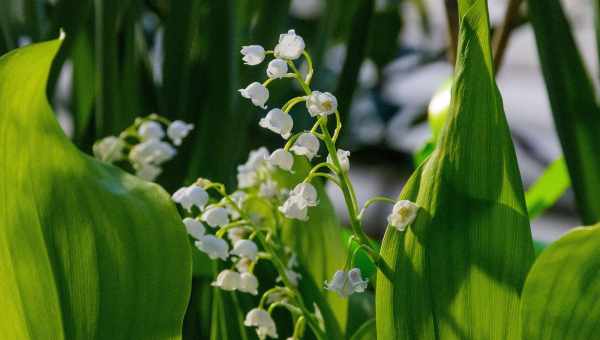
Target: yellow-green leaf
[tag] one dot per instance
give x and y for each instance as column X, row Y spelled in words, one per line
column 86, row 250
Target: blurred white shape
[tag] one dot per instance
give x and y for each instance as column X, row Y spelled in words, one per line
column 307, row 9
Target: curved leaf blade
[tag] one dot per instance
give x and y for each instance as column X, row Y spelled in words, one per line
column 560, row 297
column 471, row 242
column 86, row 251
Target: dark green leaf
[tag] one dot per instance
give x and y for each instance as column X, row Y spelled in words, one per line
column 367, row 331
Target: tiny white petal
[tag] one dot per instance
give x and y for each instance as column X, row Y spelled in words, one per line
column 306, row 145
column 321, row 103
column 282, row 159
column 403, row 214
column 290, row 46
column 277, row 68
column 215, row 216
column 150, row 130
column 253, row 54
column 214, row 247
column 194, row 228
column 246, row 249
column 178, row 130
column 278, row 122
column 257, row 93
column 228, row 280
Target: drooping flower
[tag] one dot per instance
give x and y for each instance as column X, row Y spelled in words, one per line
column 190, row 196
column 403, row 214
column 307, row 192
column 307, row 145
column 147, row 172
column 257, row 93
column 321, row 103
column 343, row 157
column 282, row 159
column 253, row 54
column 228, row 280
column 215, row 216
column 194, row 227
column 290, row 46
column 277, row 68
column 246, row 249
column 213, row 246
column 248, row 283
column 150, row 130
column 109, row 149
column 262, row 320
column 152, row 151
column 296, row 206
column 178, row 130
column 278, row 122
column 346, row 283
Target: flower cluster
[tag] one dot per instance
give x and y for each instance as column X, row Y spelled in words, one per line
column 142, row 145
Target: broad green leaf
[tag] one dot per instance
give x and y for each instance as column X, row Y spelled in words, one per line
column 560, row 297
column 573, row 101
column 86, row 250
column 548, row 188
column 458, row 270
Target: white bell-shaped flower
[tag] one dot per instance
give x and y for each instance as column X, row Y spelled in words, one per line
column 152, row 151
column 403, row 214
column 109, row 149
column 253, row 54
column 227, row 280
column 178, row 130
column 307, row 192
column 290, row 46
column 295, row 208
column 278, row 122
column 236, row 234
column 213, row 246
column 262, row 320
column 246, row 249
column 282, row 159
column 147, row 172
column 307, row 145
column 243, row 265
column 268, row 189
column 346, row 283
column 215, row 216
column 248, row 283
column 344, row 159
column 257, row 93
column 194, row 227
column 190, row 196
column 321, row 103
column 150, row 130
column 277, row 68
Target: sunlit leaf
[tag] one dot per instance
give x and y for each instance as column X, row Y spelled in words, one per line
column 548, row 188
column 560, row 297
column 458, row 270
column 86, row 250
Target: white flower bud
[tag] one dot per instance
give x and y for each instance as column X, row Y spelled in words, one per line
column 150, row 130
column 348, row 283
column 321, row 103
column 306, row 145
column 262, row 320
column 248, row 283
column 147, row 172
column 307, row 192
column 278, row 122
column 253, row 54
column 295, row 208
column 356, row 282
column 227, row 280
column 109, row 149
column 191, row 196
column 403, row 214
column 337, row 282
column 151, row 151
column 215, row 216
column 245, row 249
column 178, row 130
column 214, row 247
column 194, row 228
column 257, row 93
column 277, row 68
column 290, row 46
column 282, row 159
column 344, row 158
